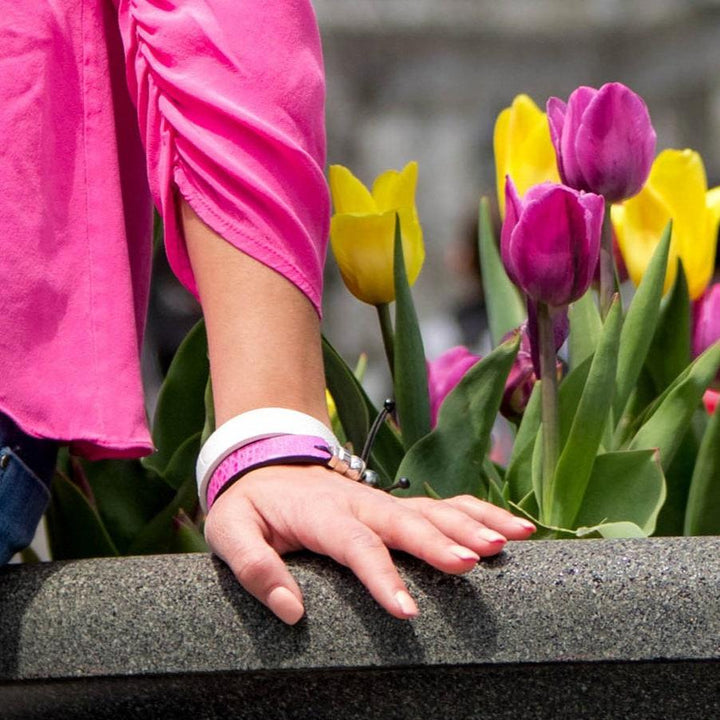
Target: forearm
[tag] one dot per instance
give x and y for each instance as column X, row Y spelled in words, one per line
column 263, row 333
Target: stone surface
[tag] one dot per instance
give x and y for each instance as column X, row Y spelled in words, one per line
column 580, row 629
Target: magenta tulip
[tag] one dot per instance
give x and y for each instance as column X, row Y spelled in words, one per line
column 445, row 373
column 526, row 368
column 706, row 320
column 604, row 140
column 550, row 241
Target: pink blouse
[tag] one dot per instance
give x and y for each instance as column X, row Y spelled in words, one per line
column 225, row 106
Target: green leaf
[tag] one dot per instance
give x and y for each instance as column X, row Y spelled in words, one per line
column 623, row 487
column 505, row 307
column 186, row 538
column 158, row 535
column 75, row 529
column 518, row 475
column 182, row 464
column 677, row 479
column 451, row 457
column 670, row 350
column 495, row 493
column 356, row 413
column 569, row 396
column 530, row 423
column 577, row 457
column 640, row 323
column 411, row 386
column 669, row 418
column 585, row 328
column 180, row 410
column 702, row 515
column 127, row 496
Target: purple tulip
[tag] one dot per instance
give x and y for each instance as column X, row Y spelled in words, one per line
column 526, row 368
column 706, row 320
column 445, row 373
column 604, row 140
column 550, row 241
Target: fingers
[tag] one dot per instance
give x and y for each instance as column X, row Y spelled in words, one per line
column 255, row 564
column 496, row 518
column 353, row 544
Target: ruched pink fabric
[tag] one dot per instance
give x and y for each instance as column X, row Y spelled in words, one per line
column 218, row 100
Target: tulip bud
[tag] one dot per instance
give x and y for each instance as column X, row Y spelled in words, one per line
column 550, row 241
column 444, row 373
column 706, row 321
column 526, row 368
column 362, row 231
column 604, row 140
column 710, row 400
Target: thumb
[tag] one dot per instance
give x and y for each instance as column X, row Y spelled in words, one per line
column 236, row 537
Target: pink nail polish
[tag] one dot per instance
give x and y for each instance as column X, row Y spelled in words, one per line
column 406, row 604
column 492, row 537
column 526, row 525
column 464, row 553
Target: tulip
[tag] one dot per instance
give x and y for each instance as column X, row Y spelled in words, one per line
column 710, row 400
column 603, row 139
column 362, row 231
column 550, row 241
column 526, row 368
column 444, row 373
column 706, row 320
column 677, row 190
column 523, row 149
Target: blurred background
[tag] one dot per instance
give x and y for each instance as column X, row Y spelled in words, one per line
column 425, row 79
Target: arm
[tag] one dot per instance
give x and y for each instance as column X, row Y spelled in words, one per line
column 264, row 343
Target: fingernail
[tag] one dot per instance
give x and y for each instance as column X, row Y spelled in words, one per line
column 285, row 605
column 464, row 553
column 526, row 525
column 406, row 604
column 491, row 536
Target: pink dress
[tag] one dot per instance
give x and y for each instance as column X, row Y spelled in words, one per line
column 218, row 100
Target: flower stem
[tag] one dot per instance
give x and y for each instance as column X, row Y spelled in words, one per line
column 607, row 264
column 549, row 398
column 388, row 335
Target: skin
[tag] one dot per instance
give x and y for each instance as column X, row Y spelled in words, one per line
column 265, row 351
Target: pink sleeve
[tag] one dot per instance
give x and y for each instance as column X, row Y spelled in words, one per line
column 230, row 100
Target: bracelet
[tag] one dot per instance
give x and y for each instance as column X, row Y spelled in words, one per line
column 248, row 428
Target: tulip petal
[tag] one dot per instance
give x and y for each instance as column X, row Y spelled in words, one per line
column 594, row 206
column 615, row 144
column 638, row 224
column 556, row 111
column 513, row 206
column 576, row 106
column 678, row 176
column 348, row 193
column 363, row 248
column 523, row 148
column 393, row 189
column 444, row 373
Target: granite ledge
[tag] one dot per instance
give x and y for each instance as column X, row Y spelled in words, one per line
column 622, row 601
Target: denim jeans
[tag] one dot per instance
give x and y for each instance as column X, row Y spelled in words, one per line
column 26, row 469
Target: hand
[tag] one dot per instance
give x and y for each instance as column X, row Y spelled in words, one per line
column 278, row 509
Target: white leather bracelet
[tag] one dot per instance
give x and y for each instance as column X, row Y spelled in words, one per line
column 247, row 428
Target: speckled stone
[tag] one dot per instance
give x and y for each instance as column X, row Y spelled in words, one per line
column 578, row 629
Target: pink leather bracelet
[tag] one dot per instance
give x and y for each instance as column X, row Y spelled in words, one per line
column 279, row 450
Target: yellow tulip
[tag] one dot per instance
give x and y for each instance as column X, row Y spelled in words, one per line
column 362, row 230
column 523, row 148
column 677, row 190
